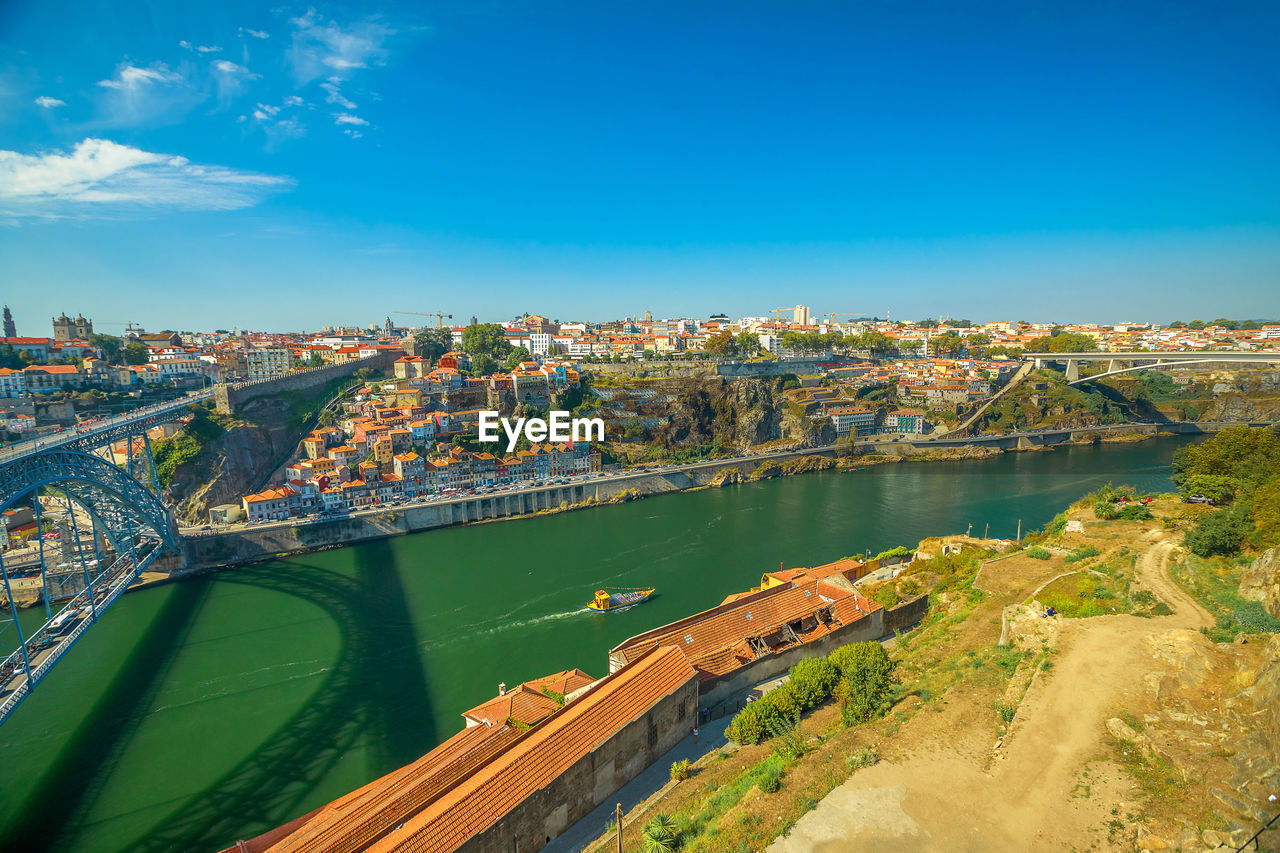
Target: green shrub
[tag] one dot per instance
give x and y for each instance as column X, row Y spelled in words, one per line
column 769, row 777
column 1038, row 553
column 1006, row 712
column 1219, row 532
column 680, row 770
column 660, row 835
column 866, row 684
column 746, row 726
column 1135, row 512
column 782, row 702
column 887, row 595
column 812, row 681
column 1082, row 554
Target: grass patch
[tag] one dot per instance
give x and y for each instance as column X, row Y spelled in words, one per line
column 1214, row 581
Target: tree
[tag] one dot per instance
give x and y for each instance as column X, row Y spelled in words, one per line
column 1177, row 324
column 517, row 355
column 722, row 345
column 433, row 343
column 1065, row 342
column 109, row 345
column 1244, row 454
column 1250, row 325
column 747, row 344
column 1216, row 487
column 1224, row 323
column 485, row 339
column 136, row 352
column 315, row 360
column 1196, row 325
column 866, row 682
column 946, row 344
column 977, row 340
column 1219, row 533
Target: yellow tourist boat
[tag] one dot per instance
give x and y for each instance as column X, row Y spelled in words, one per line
column 606, row 602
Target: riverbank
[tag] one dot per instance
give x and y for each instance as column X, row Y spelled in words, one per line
column 242, row 546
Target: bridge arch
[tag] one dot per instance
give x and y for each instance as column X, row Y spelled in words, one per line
column 116, row 501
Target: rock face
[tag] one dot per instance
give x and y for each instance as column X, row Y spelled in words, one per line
column 1261, row 581
column 235, row 463
column 1218, row 716
column 743, row 413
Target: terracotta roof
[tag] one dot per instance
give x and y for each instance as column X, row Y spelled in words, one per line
column 719, row 640
column 353, row 822
column 541, row 756
column 526, row 702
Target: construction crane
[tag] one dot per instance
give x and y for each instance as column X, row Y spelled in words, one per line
column 831, row 317
column 440, row 317
column 130, row 327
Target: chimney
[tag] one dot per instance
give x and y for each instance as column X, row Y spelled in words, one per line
column 502, row 688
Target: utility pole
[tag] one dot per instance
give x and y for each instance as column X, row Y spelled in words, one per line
column 618, row 814
column 1019, row 530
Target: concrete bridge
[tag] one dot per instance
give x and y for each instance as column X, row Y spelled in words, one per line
column 1125, row 362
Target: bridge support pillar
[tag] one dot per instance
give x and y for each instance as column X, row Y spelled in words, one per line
column 1073, row 370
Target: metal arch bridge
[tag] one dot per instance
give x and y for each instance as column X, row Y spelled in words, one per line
column 129, row 526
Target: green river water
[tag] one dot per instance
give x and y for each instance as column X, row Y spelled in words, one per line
column 210, row 710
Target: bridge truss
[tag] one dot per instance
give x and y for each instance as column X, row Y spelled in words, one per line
column 111, row 523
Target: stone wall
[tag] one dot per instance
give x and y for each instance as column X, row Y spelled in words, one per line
column 229, row 396
column 591, row 780
column 906, row 615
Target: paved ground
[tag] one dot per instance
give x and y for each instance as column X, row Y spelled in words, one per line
column 949, row 798
column 710, row 738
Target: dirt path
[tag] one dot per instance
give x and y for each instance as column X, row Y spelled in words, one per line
column 1030, row 795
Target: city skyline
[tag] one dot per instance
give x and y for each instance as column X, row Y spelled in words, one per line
column 282, row 170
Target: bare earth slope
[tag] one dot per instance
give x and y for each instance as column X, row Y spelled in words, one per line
column 1026, row 795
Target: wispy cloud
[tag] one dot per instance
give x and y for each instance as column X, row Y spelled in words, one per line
column 199, row 48
column 347, row 118
column 257, row 34
column 230, row 79
column 49, row 103
column 322, row 48
column 103, row 179
column 333, row 94
column 155, row 94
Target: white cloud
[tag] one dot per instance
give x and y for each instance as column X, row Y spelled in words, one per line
column 346, row 118
column 322, row 48
column 258, row 34
column 152, row 95
column 130, row 78
column 334, row 94
column 265, row 112
column 49, row 103
column 230, row 79
column 201, row 48
column 100, row 178
column 226, row 67
column 293, row 101
column 354, row 134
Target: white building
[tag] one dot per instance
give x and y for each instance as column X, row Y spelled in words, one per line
column 267, row 362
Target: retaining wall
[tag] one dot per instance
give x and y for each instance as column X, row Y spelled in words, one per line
column 229, row 396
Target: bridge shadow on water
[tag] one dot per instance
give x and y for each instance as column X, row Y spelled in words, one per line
column 63, row 794
column 375, row 690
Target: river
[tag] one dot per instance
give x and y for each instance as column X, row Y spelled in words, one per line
column 210, row 710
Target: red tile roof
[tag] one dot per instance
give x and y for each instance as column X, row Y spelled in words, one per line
column 720, row 640
column 541, row 755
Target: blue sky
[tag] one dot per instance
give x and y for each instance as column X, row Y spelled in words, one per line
column 214, row 165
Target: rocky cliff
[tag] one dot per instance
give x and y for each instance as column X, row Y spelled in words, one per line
column 1261, row 581
column 743, row 413
column 236, row 462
